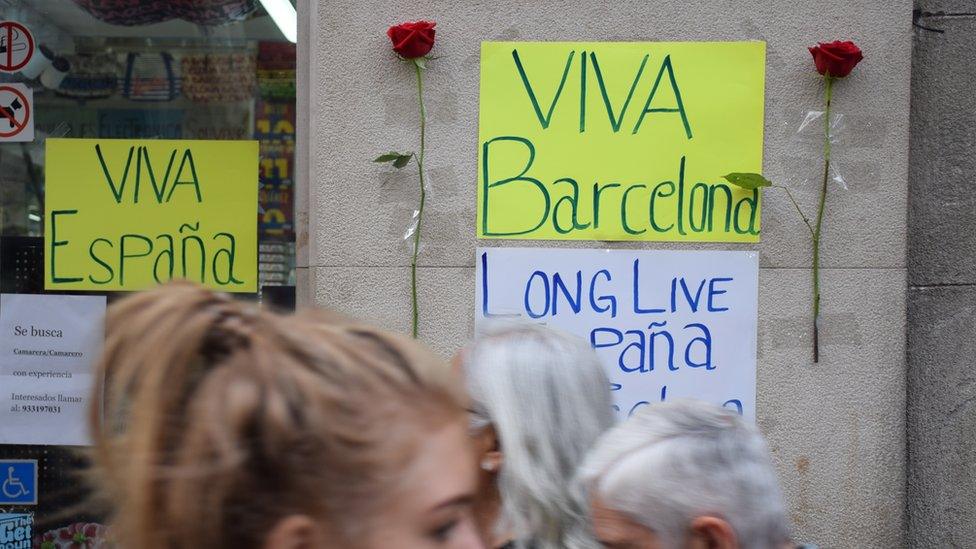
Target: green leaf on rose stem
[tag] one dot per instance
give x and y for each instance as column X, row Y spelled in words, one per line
column 388, row 157
column 402, row 161
column 421, row 62
column 748, row 180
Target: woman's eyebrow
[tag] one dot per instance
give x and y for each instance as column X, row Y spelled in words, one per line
column 459, row 501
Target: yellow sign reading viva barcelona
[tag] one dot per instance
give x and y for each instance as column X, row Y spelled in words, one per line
column 619, row 141
column 128, row 214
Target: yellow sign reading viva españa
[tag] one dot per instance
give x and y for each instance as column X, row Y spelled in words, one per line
column 128, row 214
column 619, row 141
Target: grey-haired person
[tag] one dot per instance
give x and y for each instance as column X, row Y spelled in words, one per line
column 540, row 400
column 685, row 475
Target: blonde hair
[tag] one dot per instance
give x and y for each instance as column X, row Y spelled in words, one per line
column 217, row 419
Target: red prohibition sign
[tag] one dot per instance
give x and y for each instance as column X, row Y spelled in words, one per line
column 7, row 29
column 7, row 117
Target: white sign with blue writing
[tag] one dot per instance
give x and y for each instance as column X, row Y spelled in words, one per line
column 667, row 324
column 18, row 482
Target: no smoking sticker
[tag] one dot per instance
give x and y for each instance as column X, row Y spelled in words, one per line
column 16, row 113
column 16, row 46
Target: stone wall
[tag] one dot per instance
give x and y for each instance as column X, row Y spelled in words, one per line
column 837, row 429
column 942, row 278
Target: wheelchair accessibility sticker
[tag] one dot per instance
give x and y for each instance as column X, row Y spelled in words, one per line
column 18, row 482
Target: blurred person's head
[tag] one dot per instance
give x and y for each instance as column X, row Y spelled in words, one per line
column 684, row 475
column 539, row 400
column 223, row 425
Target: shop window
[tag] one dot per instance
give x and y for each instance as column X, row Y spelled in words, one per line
column 141, row 69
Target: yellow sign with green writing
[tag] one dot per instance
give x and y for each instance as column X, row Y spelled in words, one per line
column 619, row 141
column 123, row 214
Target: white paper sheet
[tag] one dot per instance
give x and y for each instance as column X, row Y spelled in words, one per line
column 48, row 346
column 667, row 324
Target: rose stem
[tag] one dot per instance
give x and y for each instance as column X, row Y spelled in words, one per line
column 423, row 196
column 820, row 212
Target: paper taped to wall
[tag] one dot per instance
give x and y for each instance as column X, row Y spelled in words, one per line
column 619, row 141
column 666, row 324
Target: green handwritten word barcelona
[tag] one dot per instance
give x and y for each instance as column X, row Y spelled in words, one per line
column 543, row 156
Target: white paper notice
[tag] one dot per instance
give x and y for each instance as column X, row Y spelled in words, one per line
column 48, row 345
column 666, row 324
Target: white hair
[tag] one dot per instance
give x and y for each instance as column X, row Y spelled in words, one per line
column 676, row 461
column 548, row 398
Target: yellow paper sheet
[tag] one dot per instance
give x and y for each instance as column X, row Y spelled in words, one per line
column 619, row 141
column 126, row 214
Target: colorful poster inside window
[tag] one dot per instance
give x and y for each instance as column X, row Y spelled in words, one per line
column 16, row 530
column 666, row 324
column 126, row 214
column 619, row 141
column 274, row 128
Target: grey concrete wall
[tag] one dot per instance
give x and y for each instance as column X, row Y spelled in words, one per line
column 837, row 429
column 942, row 278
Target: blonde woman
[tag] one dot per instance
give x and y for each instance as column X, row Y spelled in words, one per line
column 226, row 426
column 540, row 399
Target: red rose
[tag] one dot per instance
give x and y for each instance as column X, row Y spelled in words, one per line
column 836, row 58
column 412, row 39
